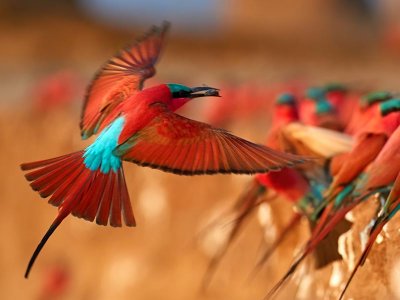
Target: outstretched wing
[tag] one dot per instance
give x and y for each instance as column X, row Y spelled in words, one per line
column 119, row 78
column 179, row 145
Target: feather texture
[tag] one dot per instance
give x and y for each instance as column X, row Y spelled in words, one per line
column 119, row 78
column 179, row 145
column 87, row 194
column 320, row 141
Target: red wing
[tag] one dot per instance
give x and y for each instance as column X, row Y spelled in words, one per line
column 179, row 145
column 120, row 77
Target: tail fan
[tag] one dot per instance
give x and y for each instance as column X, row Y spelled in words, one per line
column 77, row 190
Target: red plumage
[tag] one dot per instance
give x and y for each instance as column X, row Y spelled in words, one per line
column 78, row 190
column 59, row 177
column 139, row 126
column 287, row 182
column 122, row 76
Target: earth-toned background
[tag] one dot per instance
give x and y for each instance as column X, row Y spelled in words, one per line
column 49, row 53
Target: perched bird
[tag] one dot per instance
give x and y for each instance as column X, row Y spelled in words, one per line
column 138, row 125
column 344, row 100
column 380, row 164
column 316, row 109
column 375, row 152
column 370, row 137
column 366, row 110
column 323, row 143
column 379, row 175
column 288, row 182
column 335, row 93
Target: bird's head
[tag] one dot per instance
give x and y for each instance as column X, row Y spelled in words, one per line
column 181, row 94
column 389, row 106
column 374, row 98
column 318, row 95
column 286, row 99
column 333, row 88
column 286, row 109
column 315, row 93
column 336, row 93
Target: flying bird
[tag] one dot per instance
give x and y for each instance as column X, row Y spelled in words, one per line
column 138, row 125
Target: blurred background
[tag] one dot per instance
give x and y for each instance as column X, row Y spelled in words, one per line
column 251, row 49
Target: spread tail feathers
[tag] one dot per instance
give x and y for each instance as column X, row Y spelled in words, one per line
column 77, row 190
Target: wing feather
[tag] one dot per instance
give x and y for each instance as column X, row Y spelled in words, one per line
column 318, row 141
column 122, row 76
column 179, row 145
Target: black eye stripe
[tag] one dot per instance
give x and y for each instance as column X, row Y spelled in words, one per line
column 180, row 94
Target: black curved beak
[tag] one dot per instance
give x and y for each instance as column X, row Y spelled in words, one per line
column 204, row 91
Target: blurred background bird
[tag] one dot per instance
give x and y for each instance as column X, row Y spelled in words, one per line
column 367, row 170
column 353, row 168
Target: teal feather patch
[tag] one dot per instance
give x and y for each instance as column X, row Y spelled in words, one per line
column 395, row 210
column 322, row 104
column 100, row 153
column 174, row 88
column 390, row 106
column 375, row 97
column 317, row 191
column 324, row 107
column 286, row 99
column 315, row 93
column 126, row 146
column 343, row 194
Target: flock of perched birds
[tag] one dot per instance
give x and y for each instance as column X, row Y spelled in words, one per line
column 354, row 139
column 329, row 149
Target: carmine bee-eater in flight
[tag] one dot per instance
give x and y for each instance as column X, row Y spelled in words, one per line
column 138, row 125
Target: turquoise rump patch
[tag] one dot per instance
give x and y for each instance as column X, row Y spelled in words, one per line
column 99, row 155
